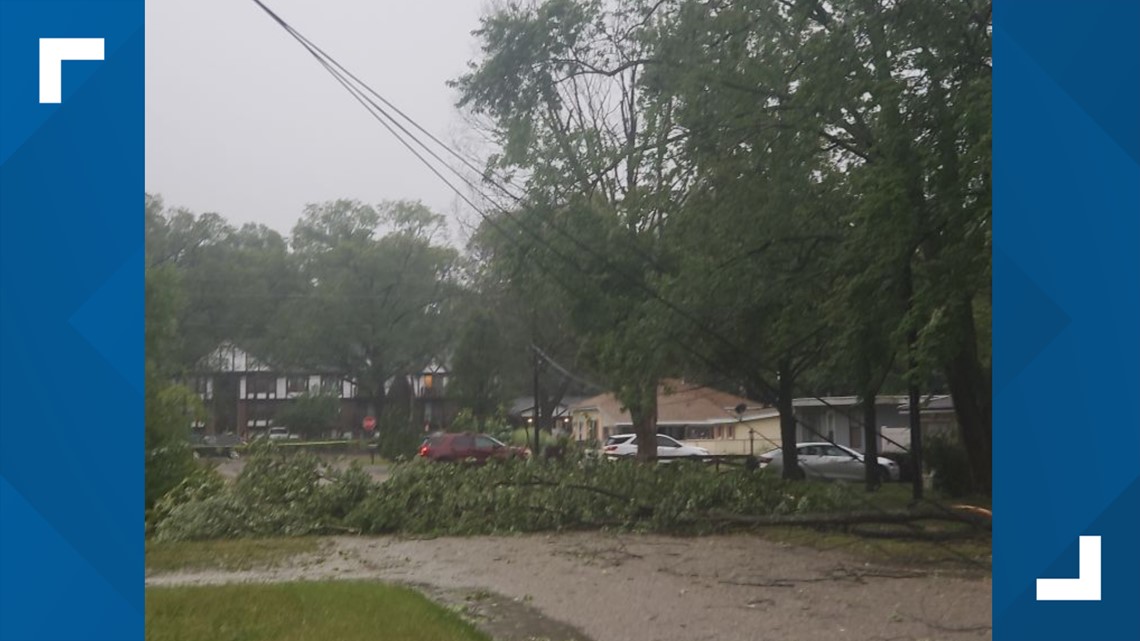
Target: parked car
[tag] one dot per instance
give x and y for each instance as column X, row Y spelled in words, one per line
column 831, row 462
column 622, row 445
column 467, row 446
column 279, row 433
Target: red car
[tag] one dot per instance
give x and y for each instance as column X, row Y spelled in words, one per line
column 466, row 446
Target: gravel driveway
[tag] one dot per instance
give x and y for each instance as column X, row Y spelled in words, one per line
column 623, row 587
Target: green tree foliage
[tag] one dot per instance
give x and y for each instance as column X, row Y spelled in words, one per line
column 168, row 407
column 312, row 415
column 535, row 319
column 293, row 494
column 807, row 181
column 233, row 281
column 559, row 82
column 482, row 359
column 378, row 289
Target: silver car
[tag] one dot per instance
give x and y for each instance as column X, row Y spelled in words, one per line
column 831, row 462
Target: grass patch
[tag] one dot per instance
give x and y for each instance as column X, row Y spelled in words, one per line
column 222, row 554
column 334, row 611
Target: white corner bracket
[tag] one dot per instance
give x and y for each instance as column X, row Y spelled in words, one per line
column 53, row 51
column 1086, row 587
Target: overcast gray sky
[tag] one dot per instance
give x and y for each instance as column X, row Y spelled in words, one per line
column 242, row 121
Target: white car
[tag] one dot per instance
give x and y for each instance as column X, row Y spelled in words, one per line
column 278, row 433
column 831, row 462
column 621, row 445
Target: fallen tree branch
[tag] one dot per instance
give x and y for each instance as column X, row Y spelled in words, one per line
column 845, row 518
column 914, row 534
column 569, row 486
column 841, row 573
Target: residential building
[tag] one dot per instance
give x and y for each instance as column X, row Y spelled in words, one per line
column 243, row 394
column 728, row 424
column 431, row 405
column 719, row 422
column 937, row 419
column 521, row 411
column 839, row 419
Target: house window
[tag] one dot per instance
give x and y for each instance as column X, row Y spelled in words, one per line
column 331, row 385
column 297, row 384
column 699, row 432
column 728, row 429
column 264, row 385
column 201, row 386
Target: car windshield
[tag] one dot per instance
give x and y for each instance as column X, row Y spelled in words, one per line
column 618, row 439
column 277, row 430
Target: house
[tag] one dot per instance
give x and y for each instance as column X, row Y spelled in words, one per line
column 719, row 422
column 244, row 394
column 937, row 419
column 708, row 418
column 431, row 405
column 839, row 419
column 521, row 411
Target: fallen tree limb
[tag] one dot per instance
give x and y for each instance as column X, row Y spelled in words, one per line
column 569, row 486
column 914, row 534
column 857, row 575
column 845, row 518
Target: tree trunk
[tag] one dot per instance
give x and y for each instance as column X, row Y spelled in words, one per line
column 915, row 414
column 872, row 474
column 645, row 427
column 550, row 403
column 973, row 400
column 788, row 424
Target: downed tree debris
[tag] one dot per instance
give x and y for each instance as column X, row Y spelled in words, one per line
column 850, row 518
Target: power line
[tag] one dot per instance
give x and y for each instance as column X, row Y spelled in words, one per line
column 380, row 115
column 358, row 91
column 343, row 77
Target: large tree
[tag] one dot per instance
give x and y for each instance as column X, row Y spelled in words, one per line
column 168, row 406
column 377, row 285
column 232, row 280
column 558, row 82
column 890, row 102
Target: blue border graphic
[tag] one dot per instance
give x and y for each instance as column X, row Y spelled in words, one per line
column 71, row 316
column 1066, row 313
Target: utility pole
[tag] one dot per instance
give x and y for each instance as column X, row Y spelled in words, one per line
column 535, row 409
column 915, row 417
